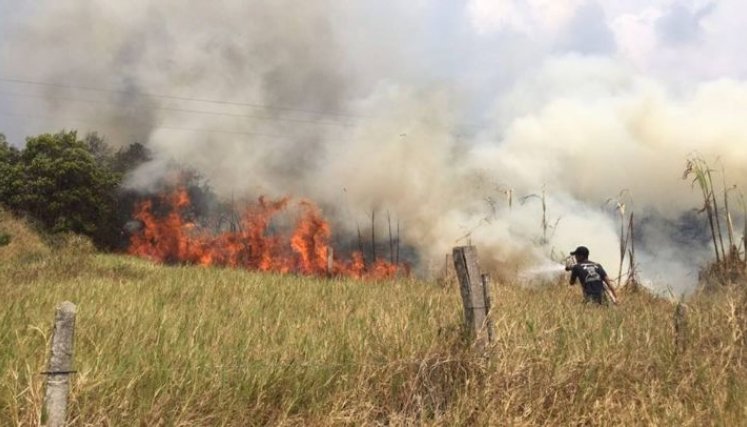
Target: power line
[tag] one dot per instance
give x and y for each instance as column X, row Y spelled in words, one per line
column 176, row 98
column 324, row 115
column 183, row 110
column 94, row 123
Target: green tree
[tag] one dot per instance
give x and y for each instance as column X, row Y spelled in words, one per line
column 59, row 183
column 99, row 149
column 127, row 159
column 71, row 185
column 8, row 171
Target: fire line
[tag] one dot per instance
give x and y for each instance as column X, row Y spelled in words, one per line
column 172, row 239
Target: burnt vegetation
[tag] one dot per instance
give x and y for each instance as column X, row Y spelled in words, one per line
column 64, row 184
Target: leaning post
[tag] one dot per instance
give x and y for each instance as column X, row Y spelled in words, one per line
column 60, row 367
column 475, row 294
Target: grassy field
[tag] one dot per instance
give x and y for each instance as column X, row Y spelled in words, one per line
column 182, row 346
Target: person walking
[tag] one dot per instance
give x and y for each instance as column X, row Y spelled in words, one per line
column 594, row 280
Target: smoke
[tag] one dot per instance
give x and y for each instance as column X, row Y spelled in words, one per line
column 593, row 129
column 432, row 112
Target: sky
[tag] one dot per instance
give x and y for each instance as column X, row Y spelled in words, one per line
column 484, row 46
column 374, row 104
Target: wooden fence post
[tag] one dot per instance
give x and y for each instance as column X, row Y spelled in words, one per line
column 330, row 261
column 485, row 280
column 60, row 368
column 448, row 276
column 475, row 294
column 680, row 327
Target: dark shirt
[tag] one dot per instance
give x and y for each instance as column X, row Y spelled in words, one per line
column 591, row 276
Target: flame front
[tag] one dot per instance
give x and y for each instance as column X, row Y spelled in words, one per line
column 172, row 239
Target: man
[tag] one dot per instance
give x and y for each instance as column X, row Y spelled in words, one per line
column 592, row 276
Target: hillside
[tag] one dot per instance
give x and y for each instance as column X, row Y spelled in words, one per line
column 162, row 345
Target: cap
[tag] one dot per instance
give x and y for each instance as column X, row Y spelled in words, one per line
column 581, row 250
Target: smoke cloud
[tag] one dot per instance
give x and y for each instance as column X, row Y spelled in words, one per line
column 433, row 112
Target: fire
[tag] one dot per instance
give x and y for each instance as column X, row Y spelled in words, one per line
column 170, row 238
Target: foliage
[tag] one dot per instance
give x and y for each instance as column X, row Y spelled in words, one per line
column 8, row 168
column 67, row 185
column 56, row 180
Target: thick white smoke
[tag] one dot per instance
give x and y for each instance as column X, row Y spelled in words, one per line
column 429, row 111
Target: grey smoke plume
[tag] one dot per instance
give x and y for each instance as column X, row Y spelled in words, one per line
column 429, row 111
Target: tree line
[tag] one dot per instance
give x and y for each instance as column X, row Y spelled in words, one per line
column 63, row 184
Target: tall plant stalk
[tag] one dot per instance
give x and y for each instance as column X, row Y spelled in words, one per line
column 544, row 224
column 632, row 270
column 743, row 202
column 623, row 243
column 391, row 237
column 620, row 207
column 716, row 210
column 697, row 167
column 729, row 264
column 373, row 236
column 733, row 251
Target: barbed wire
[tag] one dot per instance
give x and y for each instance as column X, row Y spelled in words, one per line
column 253, row 364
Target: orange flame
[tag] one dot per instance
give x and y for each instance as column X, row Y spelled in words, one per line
column 172, row 239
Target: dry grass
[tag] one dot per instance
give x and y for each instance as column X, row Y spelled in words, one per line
column 193, row 346
column 23, row 242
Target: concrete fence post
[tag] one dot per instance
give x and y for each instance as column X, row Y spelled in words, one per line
column 60, row 367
